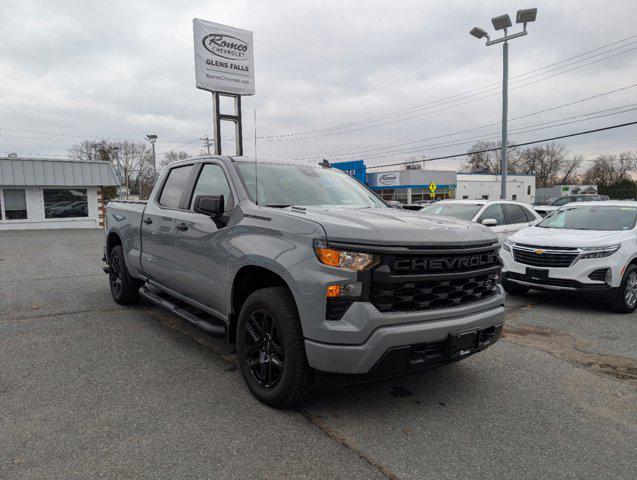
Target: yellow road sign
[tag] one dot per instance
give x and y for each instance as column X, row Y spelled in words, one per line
column 433, row 187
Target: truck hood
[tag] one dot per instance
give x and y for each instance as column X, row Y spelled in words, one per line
column 556, row 237
column 390, row 226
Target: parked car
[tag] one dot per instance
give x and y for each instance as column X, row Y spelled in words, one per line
column 503, row 216
column 588, row 248
column 544, row 210
column 311, row 275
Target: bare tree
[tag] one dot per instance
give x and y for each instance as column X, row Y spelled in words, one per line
column 610, row 170
column 132, row 160
column 485, row 157
column 172, row 156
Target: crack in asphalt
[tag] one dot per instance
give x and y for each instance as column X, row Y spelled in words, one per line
column 317, row 421
column 571, row 349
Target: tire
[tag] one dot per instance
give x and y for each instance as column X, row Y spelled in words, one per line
column 626, row 299
column 271, row 349
column 124, row 288
column 513, row 289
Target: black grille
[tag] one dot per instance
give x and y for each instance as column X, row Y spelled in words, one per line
column 598, row 275
column 425, row 295
column 336, row 308
column 545, row 259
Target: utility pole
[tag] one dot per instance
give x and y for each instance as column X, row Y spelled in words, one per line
column 208, row 142
column 503, row 22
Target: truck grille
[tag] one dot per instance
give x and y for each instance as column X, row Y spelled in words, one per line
column 435, row 279
column 434, row 294
column 544, row 256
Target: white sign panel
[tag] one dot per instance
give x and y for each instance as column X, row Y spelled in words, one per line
column 388, row 179
column 224, row 58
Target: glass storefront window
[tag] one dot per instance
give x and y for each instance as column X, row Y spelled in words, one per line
column 65, row 203
column 15, row 204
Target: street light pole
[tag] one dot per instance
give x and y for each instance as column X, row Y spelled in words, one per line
column 503, row 22
column 505, row 114
column 152, row 139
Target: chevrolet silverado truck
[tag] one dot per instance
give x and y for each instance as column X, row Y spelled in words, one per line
column 310, row 274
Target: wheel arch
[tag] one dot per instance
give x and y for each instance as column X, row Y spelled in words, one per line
column 247, row 280
column 112, row 240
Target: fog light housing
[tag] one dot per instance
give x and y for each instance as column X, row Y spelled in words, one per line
column 609, row 277
column 349, row 290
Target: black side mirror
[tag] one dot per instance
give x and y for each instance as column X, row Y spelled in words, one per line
column 211, row 205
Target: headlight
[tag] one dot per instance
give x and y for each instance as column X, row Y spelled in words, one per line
column 600, row 252
column 507, row 245
column 354, row 261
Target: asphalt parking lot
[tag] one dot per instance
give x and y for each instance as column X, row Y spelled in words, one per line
column 89, row 389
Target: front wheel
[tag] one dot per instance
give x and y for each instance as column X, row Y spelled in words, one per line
column 271, row 349
column 626, row 299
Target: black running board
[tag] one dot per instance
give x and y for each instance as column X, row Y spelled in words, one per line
column 210, row 326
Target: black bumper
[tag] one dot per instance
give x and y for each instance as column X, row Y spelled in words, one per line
column 421, row 357
column 556, row 284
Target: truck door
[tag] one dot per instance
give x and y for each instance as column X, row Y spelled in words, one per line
column 158, row 226
column 201, row 243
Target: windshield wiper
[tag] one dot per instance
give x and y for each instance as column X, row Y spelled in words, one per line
column 278, row 206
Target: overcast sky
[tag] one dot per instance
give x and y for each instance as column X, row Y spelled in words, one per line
column 122, row 69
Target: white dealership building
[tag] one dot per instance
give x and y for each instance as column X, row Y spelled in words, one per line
column 52, row 193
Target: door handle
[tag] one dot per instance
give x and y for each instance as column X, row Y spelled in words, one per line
column 182, row 226
column 148, row 220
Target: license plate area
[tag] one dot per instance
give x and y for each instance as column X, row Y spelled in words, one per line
column 460, row 344
column 537, row 274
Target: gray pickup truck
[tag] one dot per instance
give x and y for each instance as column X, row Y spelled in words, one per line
column 313, row 277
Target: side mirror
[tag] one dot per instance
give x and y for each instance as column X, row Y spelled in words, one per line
column 211, row 205
column 489, row 222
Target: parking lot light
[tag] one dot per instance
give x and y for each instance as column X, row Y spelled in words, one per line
column 501, row 22
column 479, row 33
column 525, row 16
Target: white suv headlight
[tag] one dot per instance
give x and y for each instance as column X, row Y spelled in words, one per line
column 600, row 252
column 508, row 244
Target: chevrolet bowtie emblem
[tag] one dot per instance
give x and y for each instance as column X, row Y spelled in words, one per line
column 538, row 251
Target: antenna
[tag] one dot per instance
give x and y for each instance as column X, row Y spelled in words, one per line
column 256, row 171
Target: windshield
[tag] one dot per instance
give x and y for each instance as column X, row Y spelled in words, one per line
column 463, row 211
column 592, row 218
column 285, row 185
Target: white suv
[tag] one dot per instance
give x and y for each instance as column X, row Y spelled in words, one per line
column 587, row 247
column 505, row 217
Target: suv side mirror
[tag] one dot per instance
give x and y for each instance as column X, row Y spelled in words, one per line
column 211, row 205
column 489, row 222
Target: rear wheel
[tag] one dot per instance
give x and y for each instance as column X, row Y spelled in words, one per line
column 514, row 289
column 271, row 349
column 626, row 299
column 124, row 288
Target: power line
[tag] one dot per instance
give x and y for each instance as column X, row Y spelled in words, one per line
column 353, row 152
column 449, row 105
column 519, row 130
column 434, row 103
column 446, row 157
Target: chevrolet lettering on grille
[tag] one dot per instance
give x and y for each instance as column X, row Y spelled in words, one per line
column 445, row 263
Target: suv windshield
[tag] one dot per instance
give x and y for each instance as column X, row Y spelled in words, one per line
column 283, row 185
column 592, row 218
column 462, row 211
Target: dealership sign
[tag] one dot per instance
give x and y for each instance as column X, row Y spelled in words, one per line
column 389, row 179
column 224, row 58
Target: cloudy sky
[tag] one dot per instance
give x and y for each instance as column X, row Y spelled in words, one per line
column 121, row 69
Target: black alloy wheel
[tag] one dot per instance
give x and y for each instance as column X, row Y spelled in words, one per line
column 124, row 288
column 263, row 349
column 115, row 276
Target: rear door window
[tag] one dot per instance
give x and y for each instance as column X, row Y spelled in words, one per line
column 175, row 186
column 515, row 214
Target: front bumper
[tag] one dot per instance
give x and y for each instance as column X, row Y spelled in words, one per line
column 394, row 349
